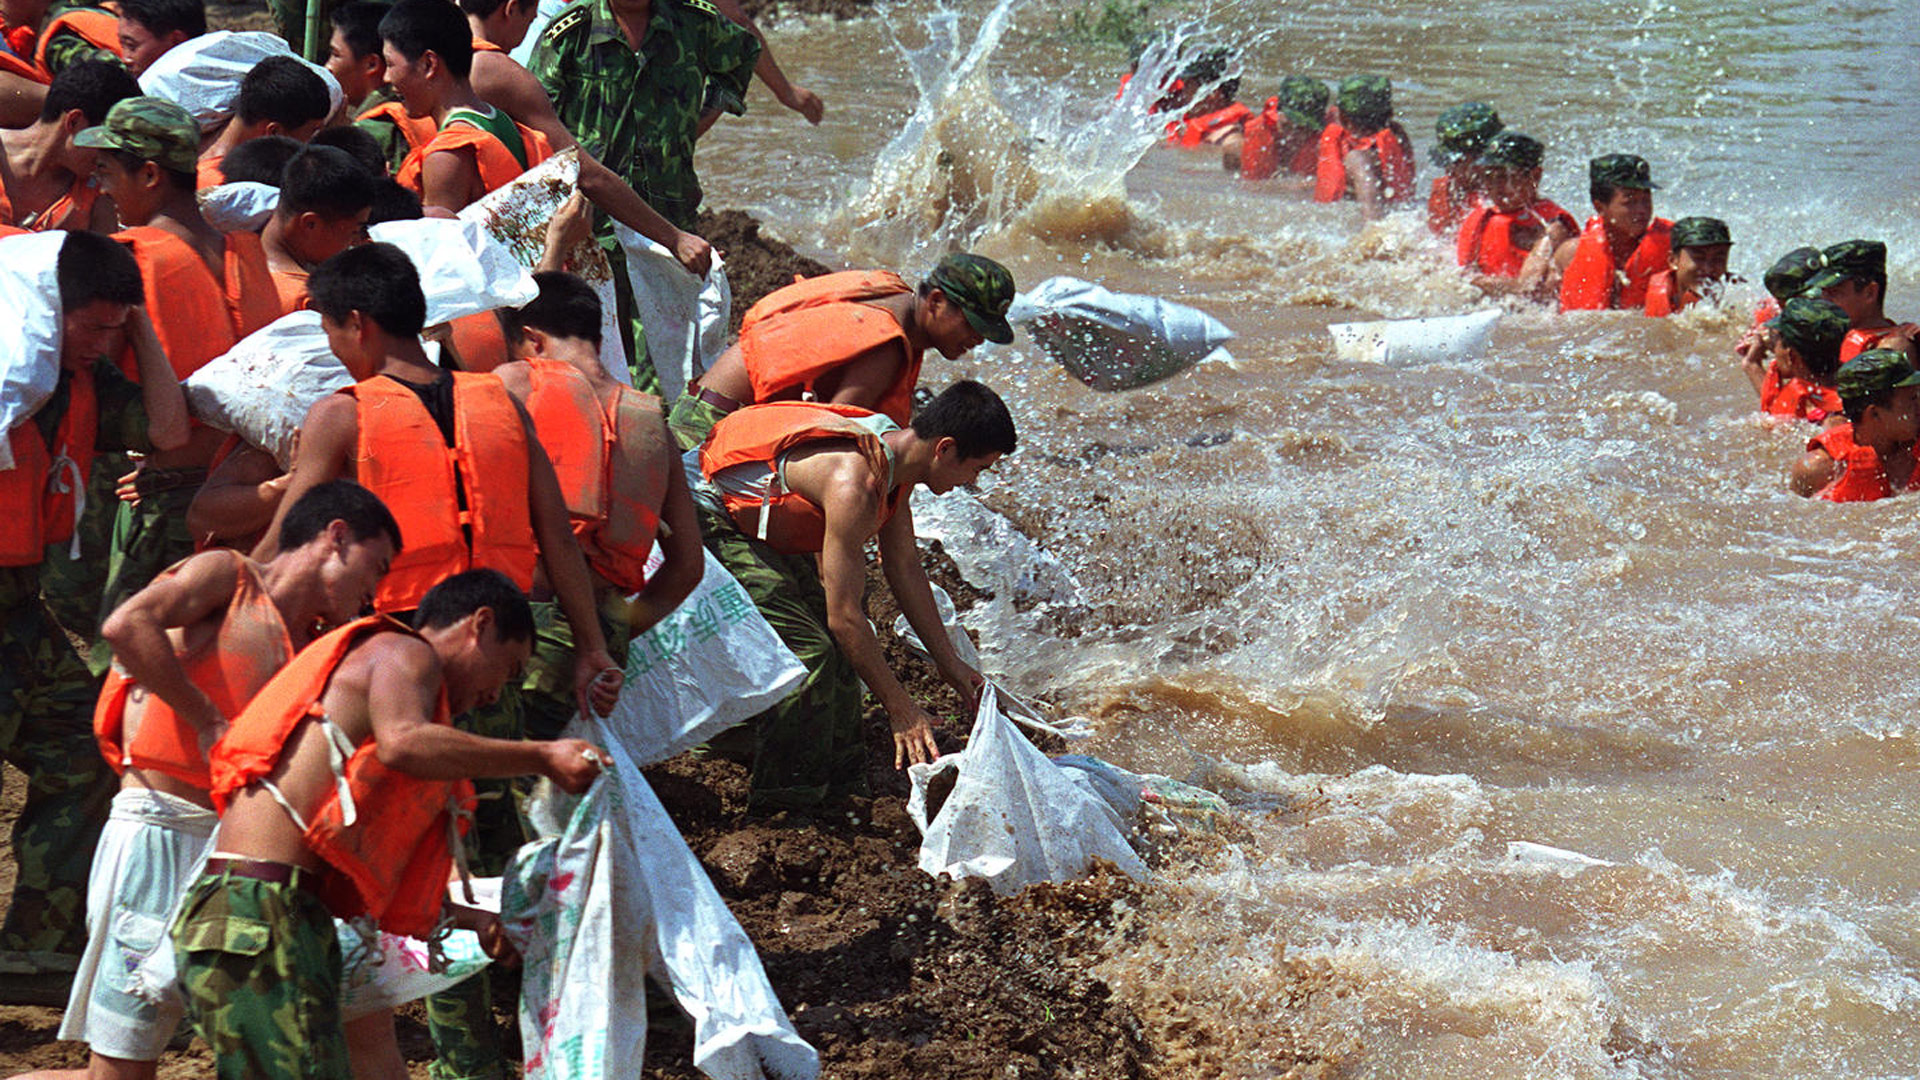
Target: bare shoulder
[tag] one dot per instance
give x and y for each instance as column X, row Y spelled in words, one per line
column 392, row 655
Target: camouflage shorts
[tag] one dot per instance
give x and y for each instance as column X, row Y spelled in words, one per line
column 260, row 965
column 691, row 420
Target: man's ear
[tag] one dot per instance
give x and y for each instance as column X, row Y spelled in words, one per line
column 945, row 446
column 482, row 625
column 73, row 122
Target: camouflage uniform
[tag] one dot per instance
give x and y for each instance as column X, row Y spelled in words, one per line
column 260, row 966
column 67, row 48
column 73, row 586
column 393, row 144
column 691, row 420
column 807, row 749
column 639, row 111
column 46, row 720
column 150, row 535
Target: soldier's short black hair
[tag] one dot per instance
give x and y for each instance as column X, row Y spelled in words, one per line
column 376, row 280
column 970, row 414
column 163, row 17
column 92, row 86
column 260, row 160
column 481, row 9
column 417, row 27
column 285, row 91
column 359, row 26
column 358, row 143
column 325, row 181
column 338, row 500
column 463, row 594
column 93, row 267
column 391, row 202
column 566, row 307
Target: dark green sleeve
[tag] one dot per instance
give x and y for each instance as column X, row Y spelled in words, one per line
column 730, row 55
column 123, row 412
column 67, row 48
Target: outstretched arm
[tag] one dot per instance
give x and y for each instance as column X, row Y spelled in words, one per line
column 799, row 99
column 900, row 561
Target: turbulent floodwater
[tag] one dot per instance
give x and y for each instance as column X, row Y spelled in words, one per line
column 1418, row 618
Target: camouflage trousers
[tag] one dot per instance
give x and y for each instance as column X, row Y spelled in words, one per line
column 807, row 749
column 691, row 420
column 46, row 731
column 73, row 586
column 260, row 966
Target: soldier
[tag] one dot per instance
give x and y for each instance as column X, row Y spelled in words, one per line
column 279, row 96
column 46, row 692
column 1697, row 261
column 1365, row 155
column 148, row 28
column 46, row 182
column 1800, row 382
column 1286, row 134
column 637, row 81
column 1870, row 456
column 1622, row 246
column 1462, row 132
column 1853, row 274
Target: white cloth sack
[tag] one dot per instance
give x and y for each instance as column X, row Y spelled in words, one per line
column 1403, row 342
column 616, row 896
column 202, row 75
column 711, row 663
column 463, row 269
column 684, row 317
column 262, row 388
column 30, row 355
column 387, row 971
column 240, row 207
column 1016, row 710
column 516, row 214
column 1012, row 817
column 1117, row 341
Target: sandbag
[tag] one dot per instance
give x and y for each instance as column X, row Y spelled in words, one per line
column 202, row 74
column 1402, row 342
column 711, row 663
column 516, row 214
column 1016, row 710
column 1117, row 341
column 463, row 269
column 262, row 388
column 684, row 317
column 385, row 971
column 30, row 354
column 1011, row 817
column 617, row 895
column 240, row 207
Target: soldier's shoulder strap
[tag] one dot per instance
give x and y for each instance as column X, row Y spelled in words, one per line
column 576, row 16
column 703, row 6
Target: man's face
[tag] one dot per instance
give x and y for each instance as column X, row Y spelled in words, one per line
column 1788, row 359
column 343, row 337
column 135, row 192
column 408, row 79
column 484, row 666
column 1700, row 265
column 141, row 47
column 1512, row 190
column 947, row 327
column 358, row 76
column 1628, row 212
column 950, row 470
column 351, row 572
column 1896, row 422
column 1853, row 296
column 316, row 238
column 90, row 332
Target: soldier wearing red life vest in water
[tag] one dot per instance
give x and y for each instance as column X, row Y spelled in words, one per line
column 1622, row 246
column 1853, row 274
column 1507, row 241
column 1696, row 262
column 1462, row 131
column 1365, row 154
column 1871, row 456
column 1285, row 136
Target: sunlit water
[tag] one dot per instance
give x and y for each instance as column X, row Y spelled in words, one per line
column 1410, row 616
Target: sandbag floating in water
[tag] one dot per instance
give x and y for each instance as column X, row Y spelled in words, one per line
column 1404, row 342
column 1117, row 341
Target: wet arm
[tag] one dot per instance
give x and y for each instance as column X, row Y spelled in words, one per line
column 167, row 423
column 907, row 577
column 239, row 497
column 137, row 630
column 800, row 100
column 326, row 447
column 448, row 179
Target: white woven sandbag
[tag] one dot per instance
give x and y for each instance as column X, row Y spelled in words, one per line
column 30, row 355
column 463, row 269
column 262, row 388
column 684, row 317
column 202, row 75
column 239, row 207
column 1117, row 341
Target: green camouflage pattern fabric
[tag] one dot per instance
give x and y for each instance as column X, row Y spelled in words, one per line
column 260, row 966
column 151, row 129
column 466, row 1041
column 1303, row 99
column 1700, row 232
column 1874, row 371
column 1788, row 277
column 393, row 144
column 46, row 731
column 67, row 48
column 1463, row 131
column 1848, row 260
column 150, row 535
column 639, row 111
column 981, row 288
column 1512, row 150
column 808, row 749
column 1621, row 171
column 1811, row 325
column 1366, row 99
column 691, row 420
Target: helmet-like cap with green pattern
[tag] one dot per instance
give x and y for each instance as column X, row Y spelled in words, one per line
column 981, row 288
column 1700, row 232
column 1463, row 131
column 1621, row 171
column 1788, row 277
column 151, row 129
column 1810, row 324
column 1513, row 150
column 1876, row 370
column 1367, row 99
column 1304, row 99
column 1850, row 259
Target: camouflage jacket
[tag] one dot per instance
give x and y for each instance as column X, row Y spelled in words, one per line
column 639, row 111
column 67, row 47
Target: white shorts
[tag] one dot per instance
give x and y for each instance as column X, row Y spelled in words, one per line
column 149, row 850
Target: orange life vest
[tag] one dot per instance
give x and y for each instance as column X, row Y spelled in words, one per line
column 73, row 209
column 98, row 28
column 42, row 492
column 496, row 163
column 230, row 666
column 402, row 457
column 196, row 316
column 16, row 57
column 1191, row 132
column 1259, row 143
column 1796, row 397
column 390, row 842
column 762, row 434
column 481, row 45
column 1486, row 245
column 209, row 172
column 1593, row 281
column 1660, row 298
column 1443, row 210
column 416, row 130
column 1859, row 341
column 291, row 286
column 1864, row 479
column 479, row 341
column 612, row 464
column 796, row 335
column 1393, row 153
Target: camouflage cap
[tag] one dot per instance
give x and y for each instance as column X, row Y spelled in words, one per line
column 1209, row 64
column 1513, row 150
column 151, row 129
column 1788, row 277
column 1810, row 325
column 1700, row 232
column 1621, row 171
column 1367, row 98
column 1463, row 131
column 981, row 288
column 1876, row 370
column 1849, row 259
column 1303, row 99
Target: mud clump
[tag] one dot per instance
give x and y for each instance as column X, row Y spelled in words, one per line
column 756, row 264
